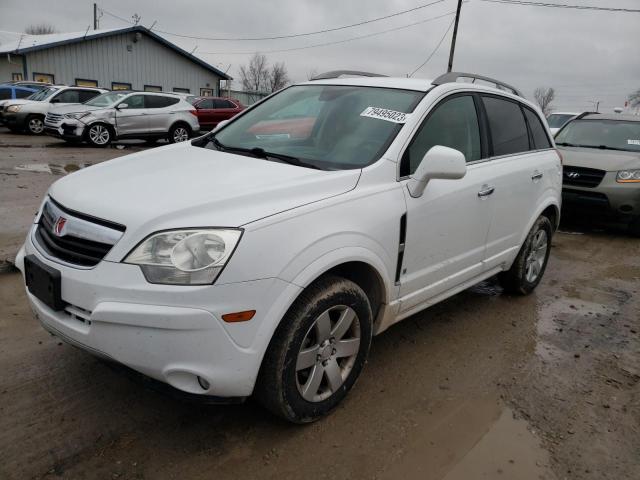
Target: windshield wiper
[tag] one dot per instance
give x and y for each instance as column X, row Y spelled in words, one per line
column 259, row 152
column 565, row 144
column 599, row 147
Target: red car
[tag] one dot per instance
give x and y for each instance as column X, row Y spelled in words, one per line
column 212, row 110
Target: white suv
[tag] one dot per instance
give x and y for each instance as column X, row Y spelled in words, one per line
column 262, row 258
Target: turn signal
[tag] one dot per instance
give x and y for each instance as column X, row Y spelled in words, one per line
column 239, row 316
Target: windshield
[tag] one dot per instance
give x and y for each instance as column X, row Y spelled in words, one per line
column 597, row 133
column 324, row 126
column 43, row 94
column 106, row 99
column 556, row 120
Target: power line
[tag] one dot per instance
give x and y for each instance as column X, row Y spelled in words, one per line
column 293, row 35
column 564, row 5
column 325, row 44
column 434, row 50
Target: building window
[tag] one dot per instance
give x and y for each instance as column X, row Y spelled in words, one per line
column 152, row 88
column 120, row 86
column 43, row 77
column 206, row 92
column 83, row 82
column 181, row 90
column 16, row 77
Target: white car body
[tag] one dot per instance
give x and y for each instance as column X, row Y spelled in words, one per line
column 297, row 224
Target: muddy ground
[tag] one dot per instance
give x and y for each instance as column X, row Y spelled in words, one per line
column 484, row 385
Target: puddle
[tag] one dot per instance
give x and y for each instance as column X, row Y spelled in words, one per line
column 477, row 438
column 52, row 168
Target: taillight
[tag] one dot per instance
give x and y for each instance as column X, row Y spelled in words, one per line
column 193, row 112
column 560, row 156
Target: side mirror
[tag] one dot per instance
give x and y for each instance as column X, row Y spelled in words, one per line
column 438, row 163
column 120, row 106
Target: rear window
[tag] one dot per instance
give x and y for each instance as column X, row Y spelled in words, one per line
column 156, row 101
column 538, row 132
column 509, row 133
column 86, row 95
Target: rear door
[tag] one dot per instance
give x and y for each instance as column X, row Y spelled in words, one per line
column 224, row 110
column 521, row 171
column 132, row 121
column 206, row 113
column 446, row 228
column 160, row 113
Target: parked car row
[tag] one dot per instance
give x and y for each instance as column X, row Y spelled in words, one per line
column 100, row 116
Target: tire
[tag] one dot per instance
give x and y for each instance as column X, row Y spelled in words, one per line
column 634, row 227
column 311, row 364
column 180, row 132
column 529, row 266
column 99, row 135
column 35, row 124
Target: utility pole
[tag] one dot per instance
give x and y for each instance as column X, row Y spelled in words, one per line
column 455, row 34
column 95, row 16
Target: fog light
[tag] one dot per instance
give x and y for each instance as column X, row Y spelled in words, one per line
column 203, row 383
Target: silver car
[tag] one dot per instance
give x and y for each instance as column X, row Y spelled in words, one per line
column 123, row 115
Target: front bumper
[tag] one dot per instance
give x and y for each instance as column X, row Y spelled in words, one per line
column 67, row 128
column 171, row 333
column 14, row 119
column 610, row 198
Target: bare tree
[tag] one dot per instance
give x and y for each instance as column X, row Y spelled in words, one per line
column 311, row 74
column 255, row 76
column 278, row 77
column 40, row 29
column 634, row 99
column 544, row 97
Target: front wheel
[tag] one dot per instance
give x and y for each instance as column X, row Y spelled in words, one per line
column 317, row 352
column 529, row 266
column 35, row 124
column 99, row 135
column 179, row 133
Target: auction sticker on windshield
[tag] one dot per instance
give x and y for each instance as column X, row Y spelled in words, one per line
column 633, row 142
column 385, row 114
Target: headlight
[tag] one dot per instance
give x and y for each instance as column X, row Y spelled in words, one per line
column 185, row 257
column 14, row 108
column 628, row 176
column 76, row 115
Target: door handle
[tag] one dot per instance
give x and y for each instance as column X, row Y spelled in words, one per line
column 536, row 176
column 486, row 191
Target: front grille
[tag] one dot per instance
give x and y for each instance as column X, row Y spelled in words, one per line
column 72, row 248
column 582, row 176
column 52, row 118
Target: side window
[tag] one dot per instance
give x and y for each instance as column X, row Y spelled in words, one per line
column 540, row 138
column 5, row 93
column 205, row 104
column 220, row 103
column 454, row 124
column 156, row 101
column 135, row 101
column 22, row 93
column 86, row 95
column 509, row 133
column 68, row 96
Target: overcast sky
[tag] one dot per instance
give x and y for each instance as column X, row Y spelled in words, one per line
column 585, row 55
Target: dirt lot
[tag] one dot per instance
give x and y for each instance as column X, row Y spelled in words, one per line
column 484, row 385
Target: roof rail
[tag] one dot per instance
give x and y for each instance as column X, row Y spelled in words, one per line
column 453, row 77
column 339, row 73
column 584, row 114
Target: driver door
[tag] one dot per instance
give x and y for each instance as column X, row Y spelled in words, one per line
column 131, row 120
column 447, row 226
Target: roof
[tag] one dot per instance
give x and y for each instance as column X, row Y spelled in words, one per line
column 419, row 84
column 613, row 116
column 32, row 43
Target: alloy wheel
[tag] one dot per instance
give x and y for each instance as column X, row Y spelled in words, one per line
column 328, row 353
column 180, row 134
column 537, row 255
column 99, row 135
column 36, row 126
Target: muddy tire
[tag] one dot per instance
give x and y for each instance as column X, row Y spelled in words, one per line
column 180, row 132
column 317, row 351
column 35, row 124
column 529, row 266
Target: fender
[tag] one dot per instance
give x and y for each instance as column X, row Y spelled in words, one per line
column 548, row 200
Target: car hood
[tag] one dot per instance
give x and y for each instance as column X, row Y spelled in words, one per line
column 18, row 101
column 74, row 108
column 609, row 160
column 185, row 186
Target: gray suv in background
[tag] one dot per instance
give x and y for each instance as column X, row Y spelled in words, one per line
column 124, row 115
